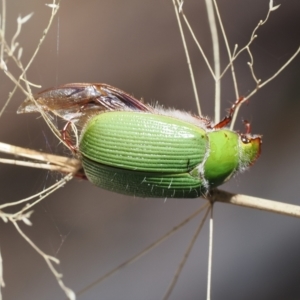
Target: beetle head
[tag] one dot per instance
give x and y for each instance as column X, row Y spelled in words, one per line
column 250, row 149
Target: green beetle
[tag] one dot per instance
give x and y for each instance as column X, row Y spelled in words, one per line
column 136, row 149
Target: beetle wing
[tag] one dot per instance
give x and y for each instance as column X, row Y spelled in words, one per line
column 115, row 99
column 78, row 101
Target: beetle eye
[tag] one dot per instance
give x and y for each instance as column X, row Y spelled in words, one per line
column 244, row 139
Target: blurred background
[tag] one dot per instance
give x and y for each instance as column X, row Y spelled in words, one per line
column 135, row 46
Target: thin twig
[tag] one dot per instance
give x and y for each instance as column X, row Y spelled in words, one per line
column 49, row 161
column 234, row 79
column 210, row 252
column 3, row 23
column 49, row 260
column 41, row 195
column 2, row 284
column 54, row 6
column 188, row 58
column 216, row 54
column 272, row 77
column 247, row 48
column 198, row 44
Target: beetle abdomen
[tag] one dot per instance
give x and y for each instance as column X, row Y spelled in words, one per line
column 143, row 142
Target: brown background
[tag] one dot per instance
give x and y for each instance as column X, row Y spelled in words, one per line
column 135, row 45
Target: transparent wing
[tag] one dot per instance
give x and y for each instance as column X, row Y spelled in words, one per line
column 76, row 102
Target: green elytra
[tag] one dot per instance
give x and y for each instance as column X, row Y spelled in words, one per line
column 153, row 155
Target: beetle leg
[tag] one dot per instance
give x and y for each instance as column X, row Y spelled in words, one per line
column 65, row 135
column 228, row 118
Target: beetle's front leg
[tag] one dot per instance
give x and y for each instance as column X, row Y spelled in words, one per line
column 227, row 119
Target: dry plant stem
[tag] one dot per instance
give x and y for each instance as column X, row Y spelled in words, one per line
column 216, row 53
column 20, row 214
column 41, row 195
column 14, row 44
column 216, row 195
column 185, row 256
column 258, row 81
column 55, row 8
column 210, row 252
column 2, row 284
column 247, row 48
column 146, row 250
column 44, row 195
column 62, row 164
column 260, row 84
column 34, row 165
column 52, row 162
column 3, row 19
column 187, row 56
column 253, row 35
column 27, row 92
column 254, row 202
column 197, row 43
column 228, row 52
column 10, row 50
column 232, row 57
column 29, row 95
column 49, row 260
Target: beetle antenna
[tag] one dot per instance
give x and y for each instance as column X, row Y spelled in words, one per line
column 247, row 126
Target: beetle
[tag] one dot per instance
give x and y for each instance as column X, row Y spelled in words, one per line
column 133, row 148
